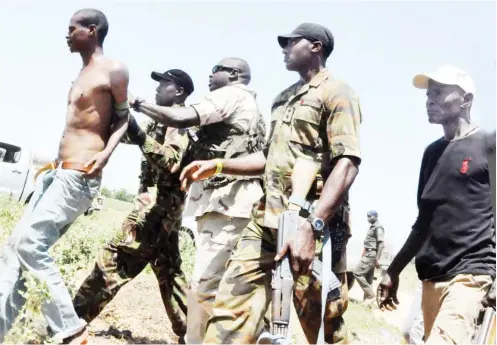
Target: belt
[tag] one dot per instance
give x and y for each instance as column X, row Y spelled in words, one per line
column 56, row 164
column 370, row 249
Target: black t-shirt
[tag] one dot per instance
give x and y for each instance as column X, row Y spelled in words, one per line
column 455, row 210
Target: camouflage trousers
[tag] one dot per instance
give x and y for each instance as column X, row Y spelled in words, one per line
column 149, row 236
column 217, row 236
column 364, row 273
column 245, row 293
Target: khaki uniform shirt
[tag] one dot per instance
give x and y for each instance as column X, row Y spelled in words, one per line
column 233, row 105
column 317, row 121
column 375, row 235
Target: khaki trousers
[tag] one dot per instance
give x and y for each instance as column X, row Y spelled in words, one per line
column 217, row 236
column 450, row 308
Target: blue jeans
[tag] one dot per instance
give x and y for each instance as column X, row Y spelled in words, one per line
column 59, row 198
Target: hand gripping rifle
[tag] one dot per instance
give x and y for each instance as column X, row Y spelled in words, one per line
column 485, row 325
column 303, row 175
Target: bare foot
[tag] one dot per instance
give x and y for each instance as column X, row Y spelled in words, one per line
column 79, row 338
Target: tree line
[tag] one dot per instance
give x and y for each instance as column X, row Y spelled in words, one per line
column 119, row 194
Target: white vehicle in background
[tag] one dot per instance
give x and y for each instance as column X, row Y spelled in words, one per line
column 18, row 166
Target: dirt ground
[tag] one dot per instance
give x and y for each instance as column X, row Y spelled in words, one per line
column 136, row 316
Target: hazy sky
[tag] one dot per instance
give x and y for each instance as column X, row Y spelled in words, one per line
column 379, row 48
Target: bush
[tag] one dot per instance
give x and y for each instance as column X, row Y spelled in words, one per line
column 76, row 250
column 123, row 195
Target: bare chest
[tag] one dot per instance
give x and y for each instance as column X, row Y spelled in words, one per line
column 89, row 87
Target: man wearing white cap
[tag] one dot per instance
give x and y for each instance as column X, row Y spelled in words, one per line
column 453, row 238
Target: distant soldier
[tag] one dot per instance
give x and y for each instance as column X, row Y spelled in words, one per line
column 373, row 248
column 150, row 232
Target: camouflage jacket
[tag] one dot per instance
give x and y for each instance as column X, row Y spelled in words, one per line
column 148, row 176
column 164, row 159
column 318, row 121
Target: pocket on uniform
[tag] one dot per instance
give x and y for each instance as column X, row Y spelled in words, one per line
column 305, row 123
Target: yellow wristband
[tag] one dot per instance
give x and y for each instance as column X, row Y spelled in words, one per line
column 219, row 166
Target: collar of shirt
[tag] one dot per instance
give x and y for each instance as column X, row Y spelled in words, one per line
column 472, row 129
column 246, row 88
column 375, row 224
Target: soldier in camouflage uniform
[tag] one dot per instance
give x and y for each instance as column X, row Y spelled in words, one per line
column 230, row 126
column 373, row 247
column 318, row 119
column 150, row 232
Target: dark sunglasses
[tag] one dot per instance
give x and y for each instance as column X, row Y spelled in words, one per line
column 294, row 40
column 219, row 68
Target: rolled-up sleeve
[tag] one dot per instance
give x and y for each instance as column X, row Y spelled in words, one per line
column 380, row 234
column 217, row 106
column 343, row 123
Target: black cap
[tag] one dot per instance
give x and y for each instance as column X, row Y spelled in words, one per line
column 179, row 77
column 312, row 32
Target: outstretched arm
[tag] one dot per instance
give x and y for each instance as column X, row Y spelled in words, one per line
column 168, row 116
column 251, row 165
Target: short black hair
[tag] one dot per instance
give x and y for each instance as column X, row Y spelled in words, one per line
column 91, row 16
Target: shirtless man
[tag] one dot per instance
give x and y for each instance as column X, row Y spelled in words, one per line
column 97, row 118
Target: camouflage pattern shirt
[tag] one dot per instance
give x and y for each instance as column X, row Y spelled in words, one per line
column 318, row 121
column 148, row 176
column 165, row 159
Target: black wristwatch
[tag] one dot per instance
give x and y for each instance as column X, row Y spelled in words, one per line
column 136, row 104
column 316, row 223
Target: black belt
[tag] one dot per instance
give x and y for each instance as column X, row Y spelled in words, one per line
column 370, row 249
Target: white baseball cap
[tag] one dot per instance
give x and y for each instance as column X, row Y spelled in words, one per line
column 447, row 75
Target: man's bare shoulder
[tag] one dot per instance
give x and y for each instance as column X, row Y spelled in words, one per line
column 117, row 70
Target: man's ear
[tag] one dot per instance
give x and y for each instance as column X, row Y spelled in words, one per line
column 468, row 100
column 180, row 91
column 234, row 75
column 316, row 46
column 92, row 30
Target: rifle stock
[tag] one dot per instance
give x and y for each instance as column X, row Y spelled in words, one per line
column 485, row 329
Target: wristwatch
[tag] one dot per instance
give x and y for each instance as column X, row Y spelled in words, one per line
column 316, row 223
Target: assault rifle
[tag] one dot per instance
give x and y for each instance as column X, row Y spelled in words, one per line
column 303, row 175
